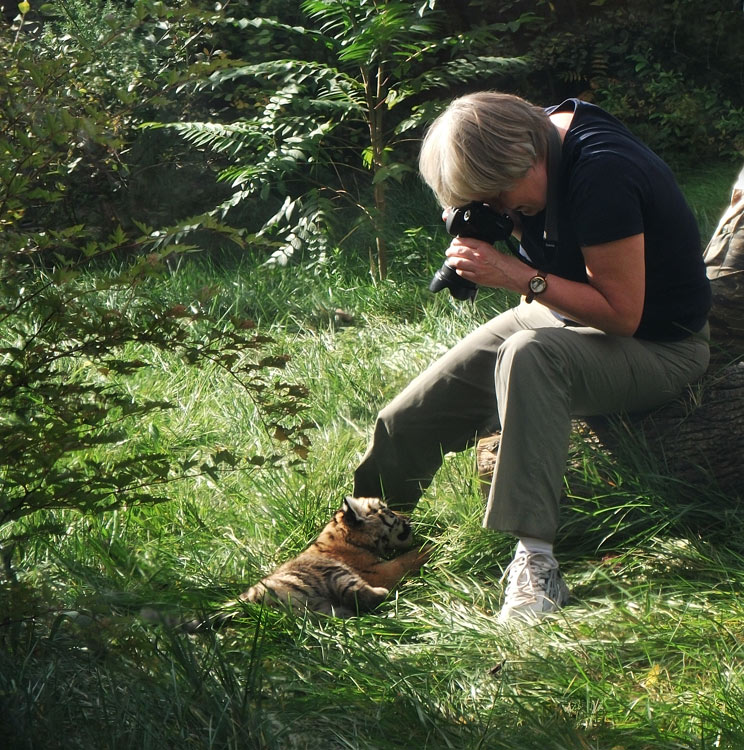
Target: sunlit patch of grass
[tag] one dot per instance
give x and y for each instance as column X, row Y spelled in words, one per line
column 649, row 653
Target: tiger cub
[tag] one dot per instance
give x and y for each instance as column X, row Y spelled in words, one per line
column 344, row 571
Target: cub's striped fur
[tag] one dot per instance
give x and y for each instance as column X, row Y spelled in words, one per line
column 344, row 571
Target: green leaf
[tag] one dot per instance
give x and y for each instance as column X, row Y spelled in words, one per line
column 394, row 171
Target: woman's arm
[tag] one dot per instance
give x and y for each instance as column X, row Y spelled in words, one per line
column 612, row 300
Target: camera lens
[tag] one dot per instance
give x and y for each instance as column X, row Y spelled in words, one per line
column 447, row 278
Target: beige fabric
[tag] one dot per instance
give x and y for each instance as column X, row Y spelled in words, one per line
column 725, row 252
column 527, row 374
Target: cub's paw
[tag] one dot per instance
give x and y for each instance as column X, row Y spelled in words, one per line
column 371, row 596
column 424, row 554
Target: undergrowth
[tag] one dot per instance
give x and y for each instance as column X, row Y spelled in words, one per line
column 647, row 655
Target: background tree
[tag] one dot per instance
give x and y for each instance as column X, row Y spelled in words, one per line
column 331, row 124
column 317, row 121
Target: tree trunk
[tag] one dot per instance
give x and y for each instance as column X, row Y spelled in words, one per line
column 375, row 93
column 699, row 437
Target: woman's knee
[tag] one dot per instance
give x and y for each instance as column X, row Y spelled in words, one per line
column 532, row 348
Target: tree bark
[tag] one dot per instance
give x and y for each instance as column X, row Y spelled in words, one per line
column 699, row 437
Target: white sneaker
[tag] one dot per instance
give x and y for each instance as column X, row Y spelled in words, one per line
column 535, row 587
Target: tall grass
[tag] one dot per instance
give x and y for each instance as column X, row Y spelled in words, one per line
column 648, row 655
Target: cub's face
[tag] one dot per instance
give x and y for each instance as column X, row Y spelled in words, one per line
column 370, row 517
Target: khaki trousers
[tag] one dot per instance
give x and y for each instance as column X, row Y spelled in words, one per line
column 527, row 374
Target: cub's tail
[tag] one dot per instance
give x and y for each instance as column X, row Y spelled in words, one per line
column 226, row 613
column 215, row 620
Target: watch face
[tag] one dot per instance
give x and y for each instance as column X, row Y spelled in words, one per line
column 538, row 284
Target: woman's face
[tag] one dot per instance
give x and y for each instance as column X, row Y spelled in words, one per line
column 528, row 196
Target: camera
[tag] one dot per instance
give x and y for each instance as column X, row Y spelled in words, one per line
column 479, row 221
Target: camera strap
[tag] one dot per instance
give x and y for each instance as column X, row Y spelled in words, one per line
column 542, row 255
column 555, row 146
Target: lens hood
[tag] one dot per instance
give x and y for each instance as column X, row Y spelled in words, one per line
column 447, row 278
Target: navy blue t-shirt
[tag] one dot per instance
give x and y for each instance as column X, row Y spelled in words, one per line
column 612, row 186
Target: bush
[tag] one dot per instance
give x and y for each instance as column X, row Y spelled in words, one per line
column 680, row 96
column 77, row 322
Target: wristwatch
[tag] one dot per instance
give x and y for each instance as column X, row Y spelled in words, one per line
column 537, row 285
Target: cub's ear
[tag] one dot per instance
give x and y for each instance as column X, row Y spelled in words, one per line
column 353, row 510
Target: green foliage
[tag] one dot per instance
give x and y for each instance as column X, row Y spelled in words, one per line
column 69, row 350
column 119, row 379
column 331, row 131
column 648, row 654
column 78, row 324
column 681, row 119
column 671, row 71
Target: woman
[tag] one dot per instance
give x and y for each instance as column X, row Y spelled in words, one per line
column 614, row 317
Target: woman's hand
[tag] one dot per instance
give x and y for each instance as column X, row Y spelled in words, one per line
column 481, row 263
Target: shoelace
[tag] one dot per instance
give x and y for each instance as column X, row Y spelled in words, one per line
column 527, row 574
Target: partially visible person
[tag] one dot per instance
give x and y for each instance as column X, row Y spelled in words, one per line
column 737, row 194
column 724, row 260
column 725, row 252
column 613, row 318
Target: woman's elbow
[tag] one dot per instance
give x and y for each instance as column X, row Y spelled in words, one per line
column 624, row 325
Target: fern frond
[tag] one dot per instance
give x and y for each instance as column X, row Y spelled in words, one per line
column 228, row 138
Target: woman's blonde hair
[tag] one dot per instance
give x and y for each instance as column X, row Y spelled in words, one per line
column 481, row 145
